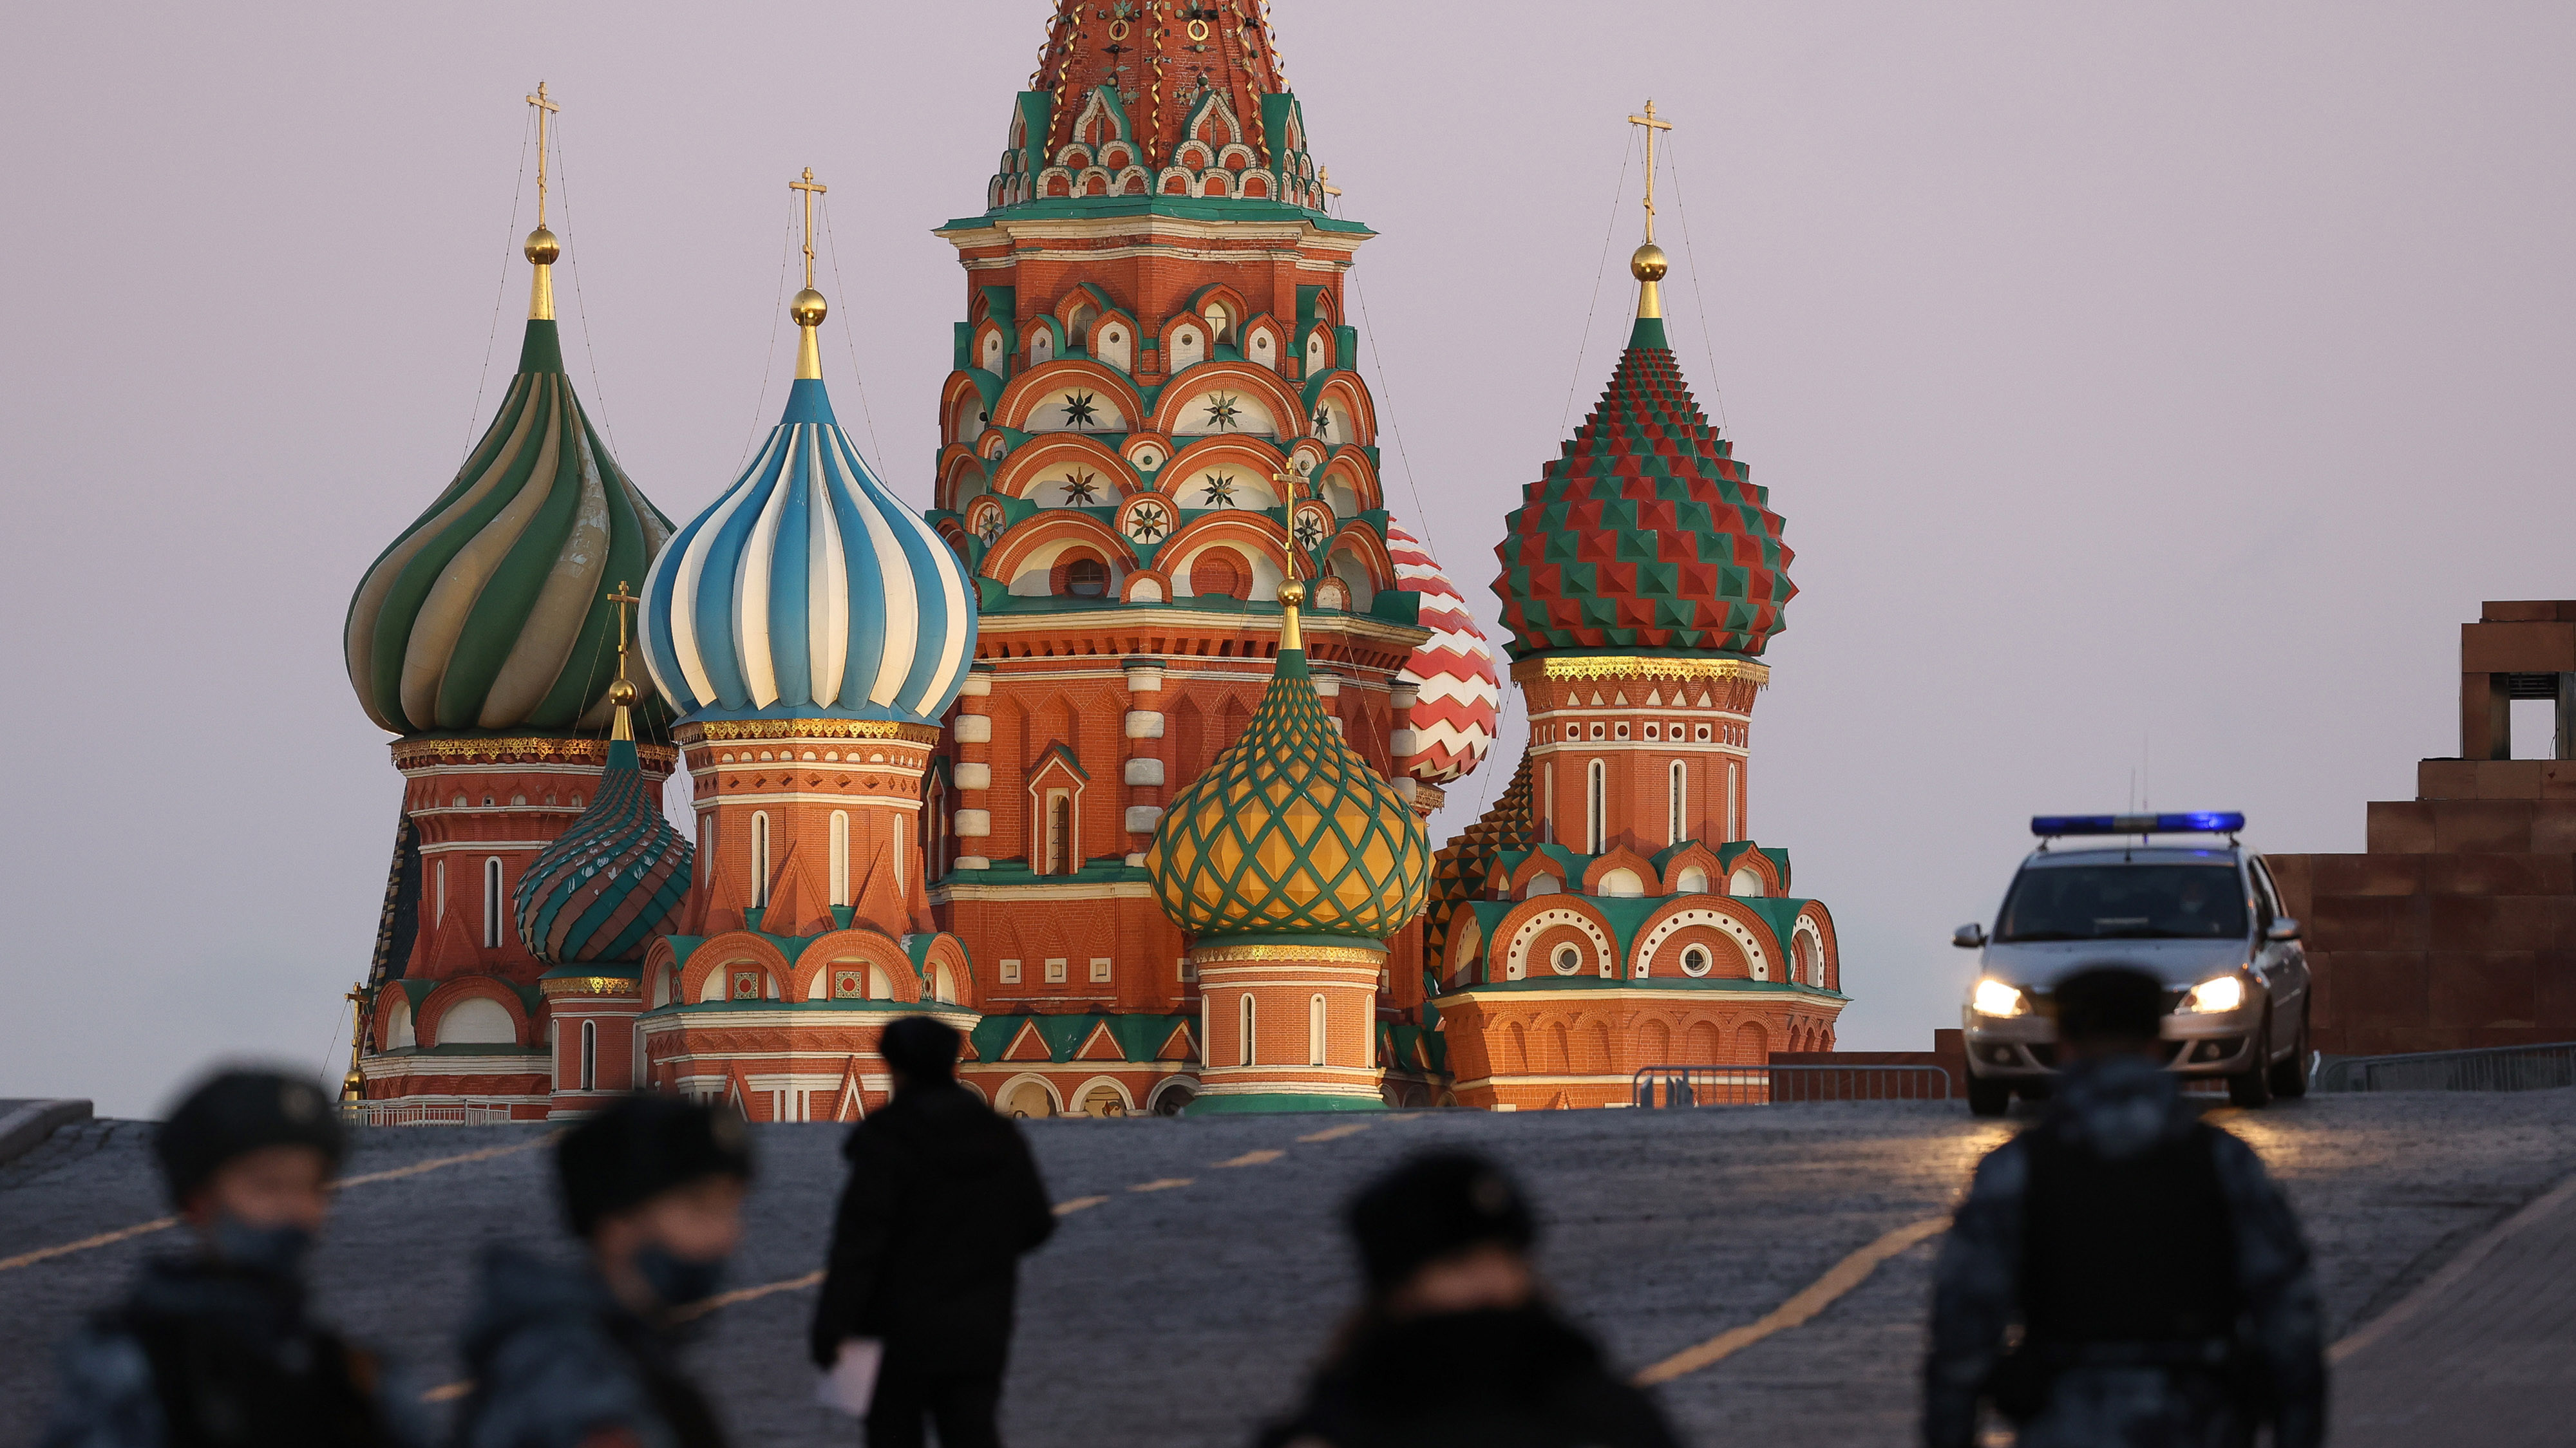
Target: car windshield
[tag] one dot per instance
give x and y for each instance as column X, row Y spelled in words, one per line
column 2124, row 902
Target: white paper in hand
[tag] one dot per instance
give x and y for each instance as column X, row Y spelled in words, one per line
column 852, row 1383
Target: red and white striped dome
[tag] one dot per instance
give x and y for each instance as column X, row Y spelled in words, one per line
column 1453, row 671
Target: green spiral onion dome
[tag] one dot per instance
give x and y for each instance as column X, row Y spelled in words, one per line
column 489, row 612
column 610, row 883
column 1290, row 832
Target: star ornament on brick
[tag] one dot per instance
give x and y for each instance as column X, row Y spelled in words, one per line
column 1148, row 523
column 1220, row 491
column 1081, row 490
column 1224, row 410
column 1081, row 409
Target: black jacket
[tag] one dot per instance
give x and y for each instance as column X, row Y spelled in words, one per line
column 1518, row 1378
column 204, row 1355
column 942, row 1201
column 557, row 1360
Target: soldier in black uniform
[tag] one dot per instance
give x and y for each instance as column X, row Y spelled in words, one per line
column 2157, row 1275
column 1457, row 1343
column 585, row 1354
column 214, row 1347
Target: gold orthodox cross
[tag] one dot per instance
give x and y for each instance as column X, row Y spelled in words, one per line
column 1324, row 179
column 624, row 601
column 812, row 188
column 545, row 108
column 1652, row 125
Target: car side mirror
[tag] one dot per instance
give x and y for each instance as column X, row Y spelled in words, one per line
column 1969, row 936
column 2283, row 928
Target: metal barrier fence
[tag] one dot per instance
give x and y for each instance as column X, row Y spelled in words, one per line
column 1665, row 1086
column 2494, row 1068
column 426, row 1113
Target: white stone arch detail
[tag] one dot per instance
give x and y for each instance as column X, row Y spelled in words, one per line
column 1007, row 1088
column 1516, row 956
column 1126, row 1097
column 1806, row 929
column 1757, row 960
column 1165, row 1087
column 1237, row 151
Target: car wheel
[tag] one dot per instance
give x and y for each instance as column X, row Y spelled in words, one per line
column 2290, row 1075
column 1988, row 1098
column 2252, row 1087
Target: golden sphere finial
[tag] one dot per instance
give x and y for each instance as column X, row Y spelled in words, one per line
column 543, row 247
column 621, row 693
column 1648, row 265
column 1292, row 593
column 808, row 308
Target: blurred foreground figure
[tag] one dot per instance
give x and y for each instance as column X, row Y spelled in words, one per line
column 942, row 1202
column 1456, row 1344
column 584, row 1355
column 213, row 1347
column 2157, row 1275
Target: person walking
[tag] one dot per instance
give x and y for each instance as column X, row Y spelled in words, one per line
column 214, row 1347
column 943, row 1200
column 584, row 1354
column 2158, row 1277
column 1457, row 1343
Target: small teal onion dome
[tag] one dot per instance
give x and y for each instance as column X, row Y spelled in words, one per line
column 488, row 612
column 807, row 591
column 610, row 883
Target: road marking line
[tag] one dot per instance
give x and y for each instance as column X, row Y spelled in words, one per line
column 1814, row 1298
column 2454, row 1270
column 1068, row 1208
column 1336, row 1133
column 747, row 1294
column 1250, row 1158
column 162, row 1224
column 1162, row 1184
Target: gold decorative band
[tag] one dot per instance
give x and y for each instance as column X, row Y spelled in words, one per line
column 408, row 752
column 1317, row 954
column 1637, row 666
column 598, row 985
column 716, row 730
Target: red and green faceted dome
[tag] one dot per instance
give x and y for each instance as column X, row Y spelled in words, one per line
column 1646, row 534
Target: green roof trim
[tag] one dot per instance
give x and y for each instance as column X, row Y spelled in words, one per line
column 1138, row 1036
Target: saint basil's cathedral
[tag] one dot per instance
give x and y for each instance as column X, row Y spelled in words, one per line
column 1118, row 757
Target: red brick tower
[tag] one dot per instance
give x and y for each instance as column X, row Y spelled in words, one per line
column 1154, row 404
column 484, row 640
column 1613, row 912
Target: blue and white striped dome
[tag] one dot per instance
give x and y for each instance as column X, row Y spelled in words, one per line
column 808, row 591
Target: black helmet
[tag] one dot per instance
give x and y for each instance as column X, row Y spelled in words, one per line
column 1436, row 1204
column 235, row 1113
column 643, row 1146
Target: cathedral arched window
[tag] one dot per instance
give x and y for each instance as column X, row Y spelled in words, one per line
column 590, row 1055
column 1676, row 803
column 492, row 903
column 1596, row 806
column 1315, row 1031
column 1247, row 1028
column 840, row 857
column 760, row 858
column 1086, row 578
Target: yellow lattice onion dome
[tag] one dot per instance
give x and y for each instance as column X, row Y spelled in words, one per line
column 1289, row 833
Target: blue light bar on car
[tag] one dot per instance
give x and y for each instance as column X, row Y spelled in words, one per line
column 2208, row 822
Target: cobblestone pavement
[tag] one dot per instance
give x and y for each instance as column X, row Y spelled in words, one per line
column 1185, row 1305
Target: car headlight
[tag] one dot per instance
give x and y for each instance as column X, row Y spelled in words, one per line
column 1994, row 998
column 2216, row 994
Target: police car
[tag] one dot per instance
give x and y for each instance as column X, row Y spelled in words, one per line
column 2173, row 895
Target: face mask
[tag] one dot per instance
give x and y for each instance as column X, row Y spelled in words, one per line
column 679, row 1281
column 279, row 1251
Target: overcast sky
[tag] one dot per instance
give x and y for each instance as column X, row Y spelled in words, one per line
column 2150, row 391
